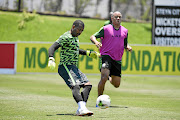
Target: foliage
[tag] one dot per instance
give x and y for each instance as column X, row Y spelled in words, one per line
column 62, row 12
column 26, row 17
column 146, row 15
column 80, row 6
column 130, row 18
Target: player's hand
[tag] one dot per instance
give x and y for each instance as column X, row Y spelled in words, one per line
column 51, row 63
column 98, row 44
column 92, row 54
column 129, row 48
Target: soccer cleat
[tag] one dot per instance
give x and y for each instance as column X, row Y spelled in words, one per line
column 84, row 112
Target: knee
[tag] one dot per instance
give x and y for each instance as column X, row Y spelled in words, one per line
column 117, row 85
column 88, row 83
column 104, row 77
column 116, row 82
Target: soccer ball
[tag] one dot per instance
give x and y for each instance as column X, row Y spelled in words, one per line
column 103, row 101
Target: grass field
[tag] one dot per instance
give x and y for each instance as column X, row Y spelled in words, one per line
column 49, row 28
column 46, row 97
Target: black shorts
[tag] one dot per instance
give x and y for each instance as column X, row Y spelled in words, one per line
column 113, row 65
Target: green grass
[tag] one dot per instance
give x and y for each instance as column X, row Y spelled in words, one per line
column 49, row 28
column 46, row 97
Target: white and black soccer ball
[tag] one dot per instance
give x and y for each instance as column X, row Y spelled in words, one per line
column 103, row 101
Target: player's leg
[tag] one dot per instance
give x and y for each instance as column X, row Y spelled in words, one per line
column 82, row 81
column 100, row 65
column 105, row 71
column 69, row 74
column 116, row 73
column 85, row 92
column 116, row 80
column 66, row 73
column 104, row 77
column 82, row 110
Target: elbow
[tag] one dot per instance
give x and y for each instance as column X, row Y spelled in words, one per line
column 92, row 38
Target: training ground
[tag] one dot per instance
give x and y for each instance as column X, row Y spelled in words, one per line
column 46, row 97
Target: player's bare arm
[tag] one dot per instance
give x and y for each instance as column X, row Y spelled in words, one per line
column 52, row 49
column 97, row 43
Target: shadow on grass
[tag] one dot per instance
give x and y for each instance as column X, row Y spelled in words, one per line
column 68, row 114
column 118, row 107
column 149, row 29
column 113, row 106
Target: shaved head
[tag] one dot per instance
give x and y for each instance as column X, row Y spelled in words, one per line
column 115, row 13
column 78, row 23
column 116, row 19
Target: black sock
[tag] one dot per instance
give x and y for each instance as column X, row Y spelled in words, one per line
column 76, row 93
column 85, row 92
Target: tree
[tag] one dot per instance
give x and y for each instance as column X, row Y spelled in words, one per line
column 124, row 11
column 80, row 6
column 142, row 4
column 7, row 4
column 145, row 14
column 19, row 5
column 125, row 3
column 96, row 6
column 41, row 7
column 58, row 6
column 109, row 7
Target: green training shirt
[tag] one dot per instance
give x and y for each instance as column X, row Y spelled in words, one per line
column 100, row 33
column 107, row 22
column 69, row 49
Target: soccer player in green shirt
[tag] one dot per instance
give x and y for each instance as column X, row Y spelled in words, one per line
column 67, row 68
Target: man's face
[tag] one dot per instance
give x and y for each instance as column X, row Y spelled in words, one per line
column 76, row 31
column 116, row 18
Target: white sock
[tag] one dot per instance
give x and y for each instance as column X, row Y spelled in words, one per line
column 81, row 105
column 84, row 103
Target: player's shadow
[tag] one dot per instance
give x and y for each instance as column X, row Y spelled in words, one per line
column 72, row 115
column 118, row 107
column 68, row 114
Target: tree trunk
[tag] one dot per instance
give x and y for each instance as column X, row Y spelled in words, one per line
column 7, row 4
column 142, row 7
column 76, row 7
column 58, row 6
column 19, row 5
column 109, row 6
